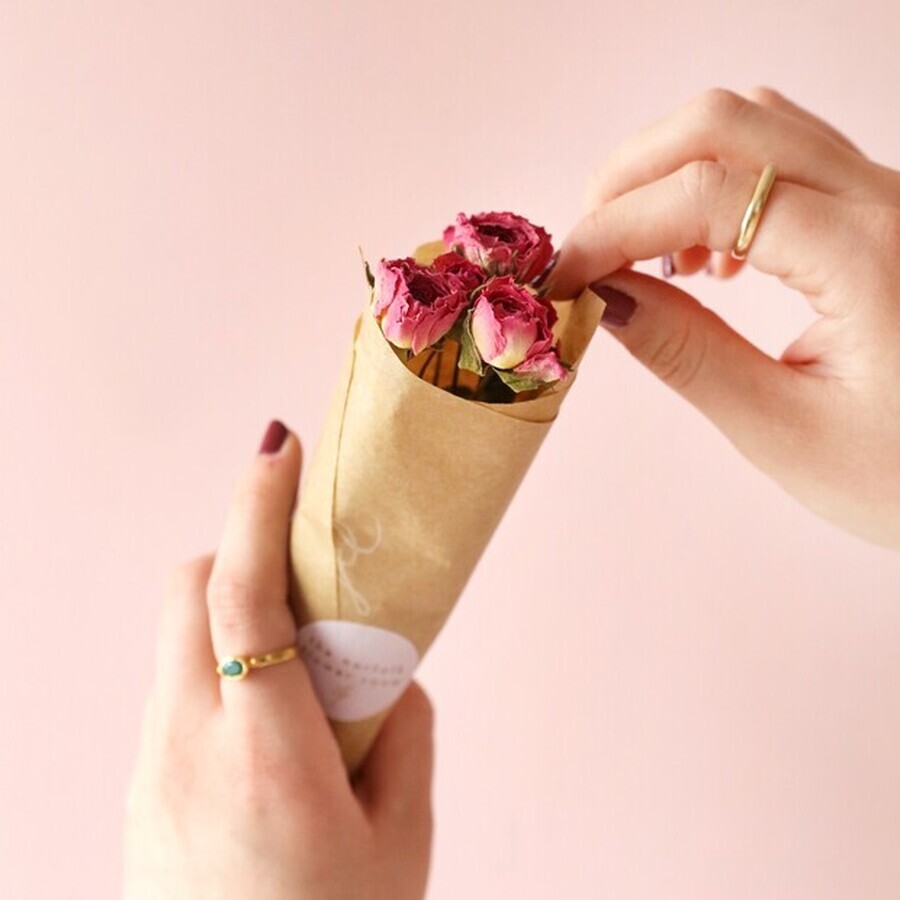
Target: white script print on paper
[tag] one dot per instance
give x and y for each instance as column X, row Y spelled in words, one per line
column 349, row 550
column 357, row 670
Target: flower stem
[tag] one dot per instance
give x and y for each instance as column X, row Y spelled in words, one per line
column 425, row 364
column 437, row 368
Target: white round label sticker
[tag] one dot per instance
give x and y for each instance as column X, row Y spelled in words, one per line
column 357, row 670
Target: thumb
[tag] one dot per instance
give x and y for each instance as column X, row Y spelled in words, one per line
column 748, row 395
column 395, row 780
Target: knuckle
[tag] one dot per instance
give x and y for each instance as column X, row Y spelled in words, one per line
column 591, row 190
column 261, row 495
column 601, row 227
column 595, row 220
column 191, row 575
column 253, row 794
column 702, row 180
column 875, row 230
column 675, row 357
column 258, row 768
column 885, row 221
column 255, row 492
column 264, row 775
column 764, row 95
column 718, row 105
column 232, row 597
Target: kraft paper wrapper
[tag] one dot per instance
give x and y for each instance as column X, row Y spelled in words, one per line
column 437, row 471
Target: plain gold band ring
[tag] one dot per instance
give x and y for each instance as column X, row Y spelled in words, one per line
column 754, row 212
column 236, row 668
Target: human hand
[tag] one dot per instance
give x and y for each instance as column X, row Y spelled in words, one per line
column 239, row 788
column 824, row 419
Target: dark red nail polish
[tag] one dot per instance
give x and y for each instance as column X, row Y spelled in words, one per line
column 668, row 265
column 274, row 437
column 542, row 278
column 620, row 306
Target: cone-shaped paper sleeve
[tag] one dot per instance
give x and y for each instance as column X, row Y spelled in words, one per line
column 404, row 490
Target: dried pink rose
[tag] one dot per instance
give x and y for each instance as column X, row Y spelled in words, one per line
column 453, row 264
column 511, row 330
column 501, row 243
column 415, row 305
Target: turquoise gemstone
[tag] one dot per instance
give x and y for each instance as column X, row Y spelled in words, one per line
column 232, row 668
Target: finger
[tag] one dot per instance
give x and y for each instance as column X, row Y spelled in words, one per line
column 802, row 237
column 686, row 262
column 395, row 780
column 724, row 127
column 185, row 679
column 752, row 398
column 768, row 97
column 247, row 594
column 724, row 265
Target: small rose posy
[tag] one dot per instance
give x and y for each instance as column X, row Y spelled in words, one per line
column 479, row 292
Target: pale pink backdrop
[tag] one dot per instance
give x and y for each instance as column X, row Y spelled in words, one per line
column 691, row 691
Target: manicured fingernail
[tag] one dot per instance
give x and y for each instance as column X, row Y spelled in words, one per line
column 543, row 276
column 668, row 265
column 274, row 437
column 620, row 306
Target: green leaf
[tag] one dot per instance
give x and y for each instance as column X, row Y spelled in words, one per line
column 469, row 357
column 369, row 276
column 518, row 383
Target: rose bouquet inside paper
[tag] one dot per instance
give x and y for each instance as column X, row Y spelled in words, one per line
column 458, row 368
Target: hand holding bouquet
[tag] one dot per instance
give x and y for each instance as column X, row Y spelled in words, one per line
column 457, row 371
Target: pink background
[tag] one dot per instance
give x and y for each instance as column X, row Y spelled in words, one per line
column 692, row 691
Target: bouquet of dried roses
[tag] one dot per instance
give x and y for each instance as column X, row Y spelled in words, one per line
column 457, row 372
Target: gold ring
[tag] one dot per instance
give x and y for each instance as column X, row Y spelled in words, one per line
column 754, row 212
column 236, row 668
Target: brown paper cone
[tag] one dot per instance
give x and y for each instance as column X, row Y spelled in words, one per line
column 401, row 497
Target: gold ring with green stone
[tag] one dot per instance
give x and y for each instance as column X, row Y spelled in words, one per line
column 236, row 668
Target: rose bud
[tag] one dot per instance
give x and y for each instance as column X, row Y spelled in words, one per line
column 511, row 330
column 466, row 273
column 543, row 367
column 414, row 305
column 501, row 243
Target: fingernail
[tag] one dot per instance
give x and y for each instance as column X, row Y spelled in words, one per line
column 668, row 265
column 620, row 306
column 543, row 276
column 274, row 437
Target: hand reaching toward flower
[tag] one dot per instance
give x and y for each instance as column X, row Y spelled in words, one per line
column 824, row 419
